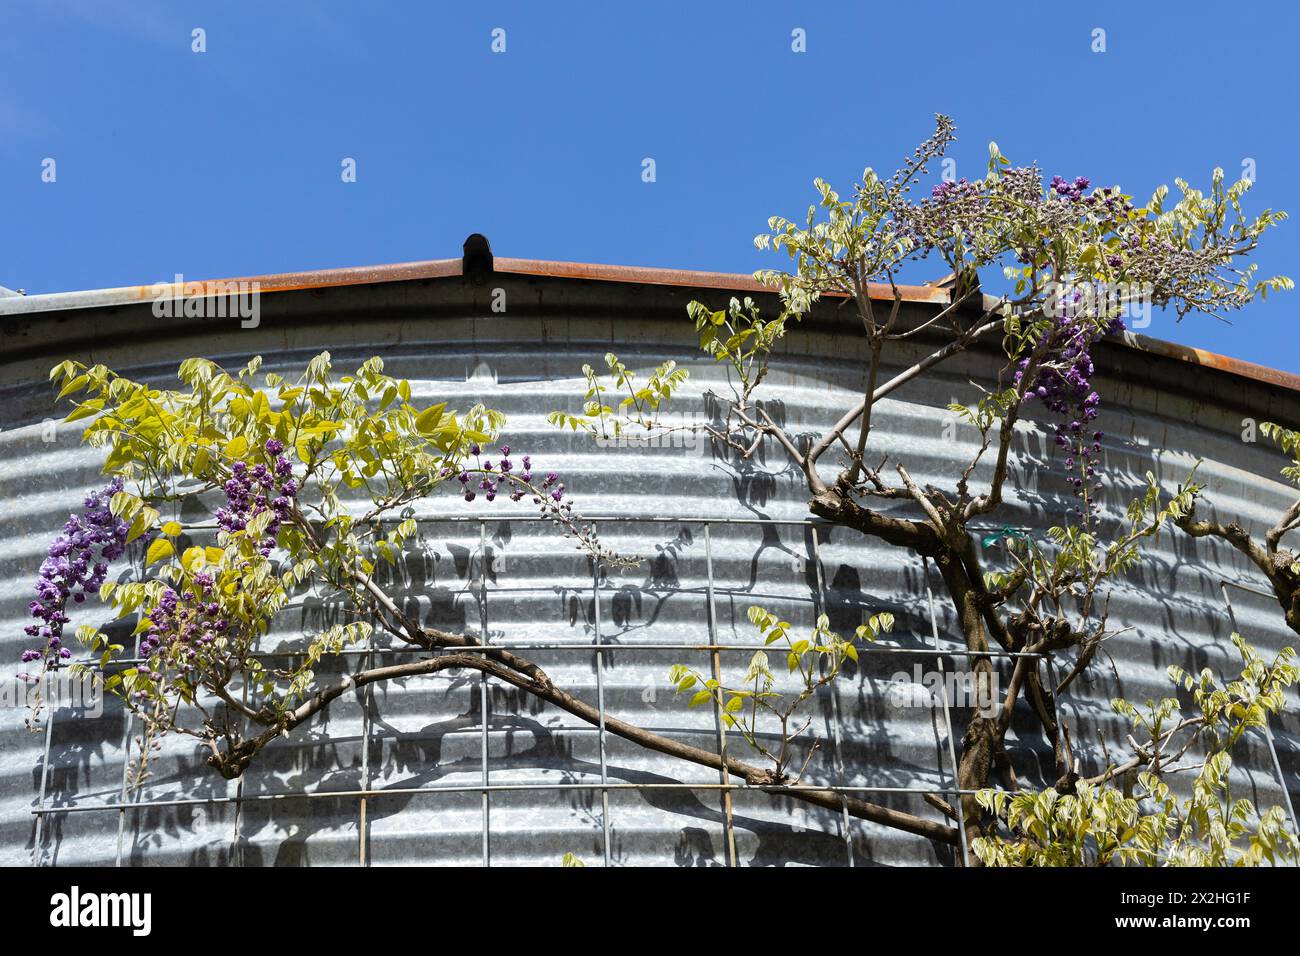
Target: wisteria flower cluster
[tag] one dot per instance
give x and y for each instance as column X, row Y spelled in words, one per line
column 968, row 222
column 984, row 218
column 494, row 475
column 77, row 564
column 952, row 189
column 1070, row 191
column 181, row 649
column 549, row 494
column 1064, row 386
column 253, row 491
column 182, row 626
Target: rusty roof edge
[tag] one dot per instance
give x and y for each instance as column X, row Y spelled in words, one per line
column 598, row 272
column 1223, row 363
column 429, row 269
column 272, row 282
column 691, row 278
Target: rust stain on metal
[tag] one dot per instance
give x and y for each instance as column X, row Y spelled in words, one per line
column 688, row 278
column 354, row 275
column 322, row 278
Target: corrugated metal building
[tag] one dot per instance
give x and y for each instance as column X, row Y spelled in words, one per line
column 446, row 770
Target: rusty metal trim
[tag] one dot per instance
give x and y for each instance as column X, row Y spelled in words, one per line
column 596, row 272
column 688, row 278
column 272, row 282
column 357, row 275
column 1223, row 363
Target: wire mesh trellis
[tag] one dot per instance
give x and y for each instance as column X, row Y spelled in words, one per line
column 1267, row 729
column 947, row 787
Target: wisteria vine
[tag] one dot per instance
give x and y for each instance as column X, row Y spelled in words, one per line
column 186, row 622
column 1061, row 372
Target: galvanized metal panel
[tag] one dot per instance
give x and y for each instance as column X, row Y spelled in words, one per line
column 548, row 787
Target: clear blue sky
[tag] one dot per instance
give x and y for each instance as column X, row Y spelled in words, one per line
column 228, row 162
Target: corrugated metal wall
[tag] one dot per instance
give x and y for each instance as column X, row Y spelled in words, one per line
column 529, row 783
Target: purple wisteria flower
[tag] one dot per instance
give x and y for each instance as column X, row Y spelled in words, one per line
column 1064, row 387
column 77, row 564
column 499, row 476
column 253, row 491
column 182, row 626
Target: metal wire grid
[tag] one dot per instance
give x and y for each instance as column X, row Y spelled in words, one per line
column 1224, row 584
column 486, row 788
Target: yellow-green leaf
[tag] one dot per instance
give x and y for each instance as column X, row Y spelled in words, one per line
column 428, row 419
column 158, row 551
column 85, row 410
column 76, row 384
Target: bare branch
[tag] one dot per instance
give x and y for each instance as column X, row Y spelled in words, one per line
column 541, row 687
column 902, row 378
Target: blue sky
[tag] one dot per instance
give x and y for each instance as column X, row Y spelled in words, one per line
column 228, row 162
